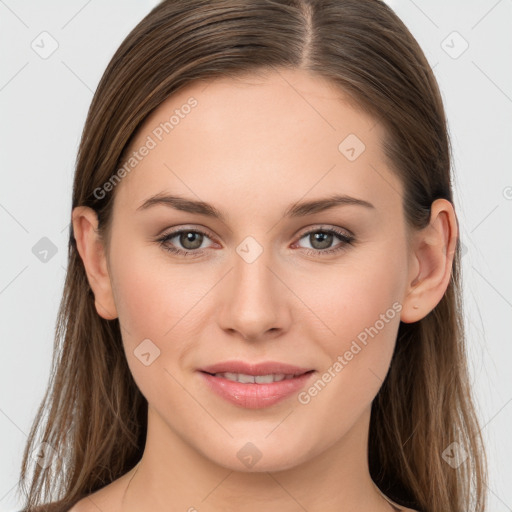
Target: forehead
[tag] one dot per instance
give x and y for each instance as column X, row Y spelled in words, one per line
column 268, row 138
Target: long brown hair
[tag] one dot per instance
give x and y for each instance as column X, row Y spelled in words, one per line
column 93, row 414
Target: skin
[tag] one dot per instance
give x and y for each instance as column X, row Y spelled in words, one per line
column 252, row 147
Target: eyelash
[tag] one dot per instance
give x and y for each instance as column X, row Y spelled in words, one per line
column 346, row 239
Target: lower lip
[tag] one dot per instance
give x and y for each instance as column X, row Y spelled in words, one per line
column 252, row 395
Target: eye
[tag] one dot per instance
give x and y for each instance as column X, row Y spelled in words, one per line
column 321, row 239
column 192, row 240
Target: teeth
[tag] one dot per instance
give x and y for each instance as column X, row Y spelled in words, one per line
column 267, row 379
column 245, row 379
column 258, row 379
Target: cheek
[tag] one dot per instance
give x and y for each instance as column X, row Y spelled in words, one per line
column 358, row 303
column 154, row 300
column 361, row 305
column 160, row 300
column 152, row 295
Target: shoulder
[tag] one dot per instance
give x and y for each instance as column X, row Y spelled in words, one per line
column 54, row 506
column 107, row 498
column 405, row 509
column 81, row 506
column 396, row 506
column 95, row 502
column 89, row 504
column 84, row 505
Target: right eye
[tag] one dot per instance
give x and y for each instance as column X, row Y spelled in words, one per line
column 190, row 239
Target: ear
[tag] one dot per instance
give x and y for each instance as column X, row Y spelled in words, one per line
column 92, row 251
column 432, row 252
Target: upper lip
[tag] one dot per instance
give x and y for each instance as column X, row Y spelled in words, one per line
column 264, row 368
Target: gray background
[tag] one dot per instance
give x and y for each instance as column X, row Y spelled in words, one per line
column 43, row 104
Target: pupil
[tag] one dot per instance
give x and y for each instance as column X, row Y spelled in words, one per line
column 187, row 240
column 324, row 239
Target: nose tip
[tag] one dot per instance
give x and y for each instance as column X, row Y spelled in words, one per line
column 271, row 330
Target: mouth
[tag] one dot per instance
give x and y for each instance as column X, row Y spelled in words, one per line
column 245, row 378
column 262, row 369
column 255, row 386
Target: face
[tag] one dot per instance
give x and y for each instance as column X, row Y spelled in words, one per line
column 265, row 280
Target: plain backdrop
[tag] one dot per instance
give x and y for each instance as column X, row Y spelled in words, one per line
column 45, row 91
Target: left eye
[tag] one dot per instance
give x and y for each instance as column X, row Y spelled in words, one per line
column 192, row 240
column 323, row 238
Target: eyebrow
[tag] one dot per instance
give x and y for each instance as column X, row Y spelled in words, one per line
column 300, row 209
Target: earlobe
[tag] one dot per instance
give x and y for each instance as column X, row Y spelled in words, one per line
column 92, row 252
column 433, row 252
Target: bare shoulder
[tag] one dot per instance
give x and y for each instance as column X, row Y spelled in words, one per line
column 81, row 506
column 88, row 504
column 84, row 505
column 107, row 498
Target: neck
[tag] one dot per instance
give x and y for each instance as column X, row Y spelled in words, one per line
column 172, row 474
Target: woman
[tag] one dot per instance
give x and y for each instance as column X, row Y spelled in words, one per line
column 262, row 308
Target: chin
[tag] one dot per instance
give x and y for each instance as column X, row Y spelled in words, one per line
column 258, row 457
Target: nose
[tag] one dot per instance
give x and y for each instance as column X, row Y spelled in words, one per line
column 253, row 301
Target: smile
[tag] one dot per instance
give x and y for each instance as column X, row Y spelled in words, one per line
column 255, row 389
